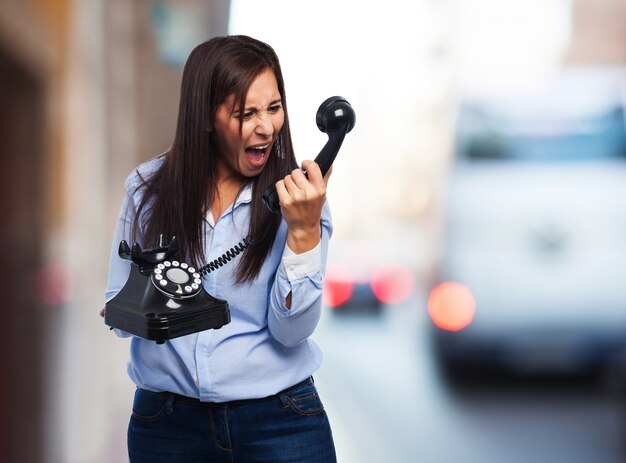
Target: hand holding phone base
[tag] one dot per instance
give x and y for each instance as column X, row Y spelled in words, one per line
column 163, row 298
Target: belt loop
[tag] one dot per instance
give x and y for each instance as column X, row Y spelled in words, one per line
column 284, row 400
column 169, row 405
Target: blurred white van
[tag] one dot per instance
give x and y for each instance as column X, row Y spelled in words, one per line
column 532, row 275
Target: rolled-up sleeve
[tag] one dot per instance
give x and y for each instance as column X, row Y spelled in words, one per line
column 302, row 275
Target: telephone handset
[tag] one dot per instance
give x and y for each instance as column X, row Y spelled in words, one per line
column 335, row 117
column 163, row 298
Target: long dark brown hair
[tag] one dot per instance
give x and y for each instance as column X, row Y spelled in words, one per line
column 177, row 197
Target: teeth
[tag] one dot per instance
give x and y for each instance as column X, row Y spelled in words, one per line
column 260, row 147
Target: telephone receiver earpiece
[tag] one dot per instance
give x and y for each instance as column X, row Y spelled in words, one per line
column 334, row 117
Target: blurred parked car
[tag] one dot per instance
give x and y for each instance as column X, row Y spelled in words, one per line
column 532, row 276
column 359, row 280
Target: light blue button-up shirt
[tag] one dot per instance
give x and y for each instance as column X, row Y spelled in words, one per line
column 266, row 347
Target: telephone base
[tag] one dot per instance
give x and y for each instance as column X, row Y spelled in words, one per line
column 141, row 310
column 163, row 326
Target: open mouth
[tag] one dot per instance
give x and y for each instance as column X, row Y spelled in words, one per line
column 257, row 154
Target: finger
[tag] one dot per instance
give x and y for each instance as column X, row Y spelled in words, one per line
column 313, row 172
column 283, row 194
column 299, row 178
column 102, row 312
column 292, row 188
column 327, row 176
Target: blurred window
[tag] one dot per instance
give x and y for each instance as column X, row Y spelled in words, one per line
column 487, row 135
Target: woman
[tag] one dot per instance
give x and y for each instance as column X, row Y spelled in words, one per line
column 243, row 393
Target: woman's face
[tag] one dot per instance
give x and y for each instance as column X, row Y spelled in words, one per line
column 246, row 152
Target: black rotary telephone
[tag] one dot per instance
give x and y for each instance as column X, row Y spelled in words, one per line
column 164, row 298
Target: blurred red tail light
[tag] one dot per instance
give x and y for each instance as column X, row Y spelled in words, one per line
column 451, row 306
column 392, row 284
column 337, row 286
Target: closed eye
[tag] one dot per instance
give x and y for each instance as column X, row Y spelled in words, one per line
column 274, row 107
column 245, row 115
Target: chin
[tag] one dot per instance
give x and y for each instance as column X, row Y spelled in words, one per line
column 251, row 171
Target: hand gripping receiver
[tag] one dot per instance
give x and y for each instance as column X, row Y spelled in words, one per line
column 334, row 117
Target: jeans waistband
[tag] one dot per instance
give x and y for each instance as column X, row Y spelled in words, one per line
column 193, row 400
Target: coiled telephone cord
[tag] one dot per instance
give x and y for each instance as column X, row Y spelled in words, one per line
column 226, row 257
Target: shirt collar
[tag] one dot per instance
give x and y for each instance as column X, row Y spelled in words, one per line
column 245, row 196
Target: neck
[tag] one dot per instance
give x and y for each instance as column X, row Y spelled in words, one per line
column 229, row 184
column 228, row 178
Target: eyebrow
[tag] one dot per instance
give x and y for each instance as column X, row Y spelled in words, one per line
column 253, row 108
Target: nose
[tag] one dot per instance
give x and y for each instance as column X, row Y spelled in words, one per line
column 264, row 125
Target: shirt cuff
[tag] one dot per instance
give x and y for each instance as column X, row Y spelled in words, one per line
column 296, row 266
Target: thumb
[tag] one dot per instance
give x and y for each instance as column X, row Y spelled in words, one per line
column 327, row 176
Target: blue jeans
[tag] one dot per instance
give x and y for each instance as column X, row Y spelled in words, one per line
column 290, row 426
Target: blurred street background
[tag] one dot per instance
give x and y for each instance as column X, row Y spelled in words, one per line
column 475, row 304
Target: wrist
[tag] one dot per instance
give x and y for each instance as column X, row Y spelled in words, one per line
column 303, row 240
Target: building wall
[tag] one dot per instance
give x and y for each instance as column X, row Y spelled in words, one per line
column 32, row 36
column 598, row 32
